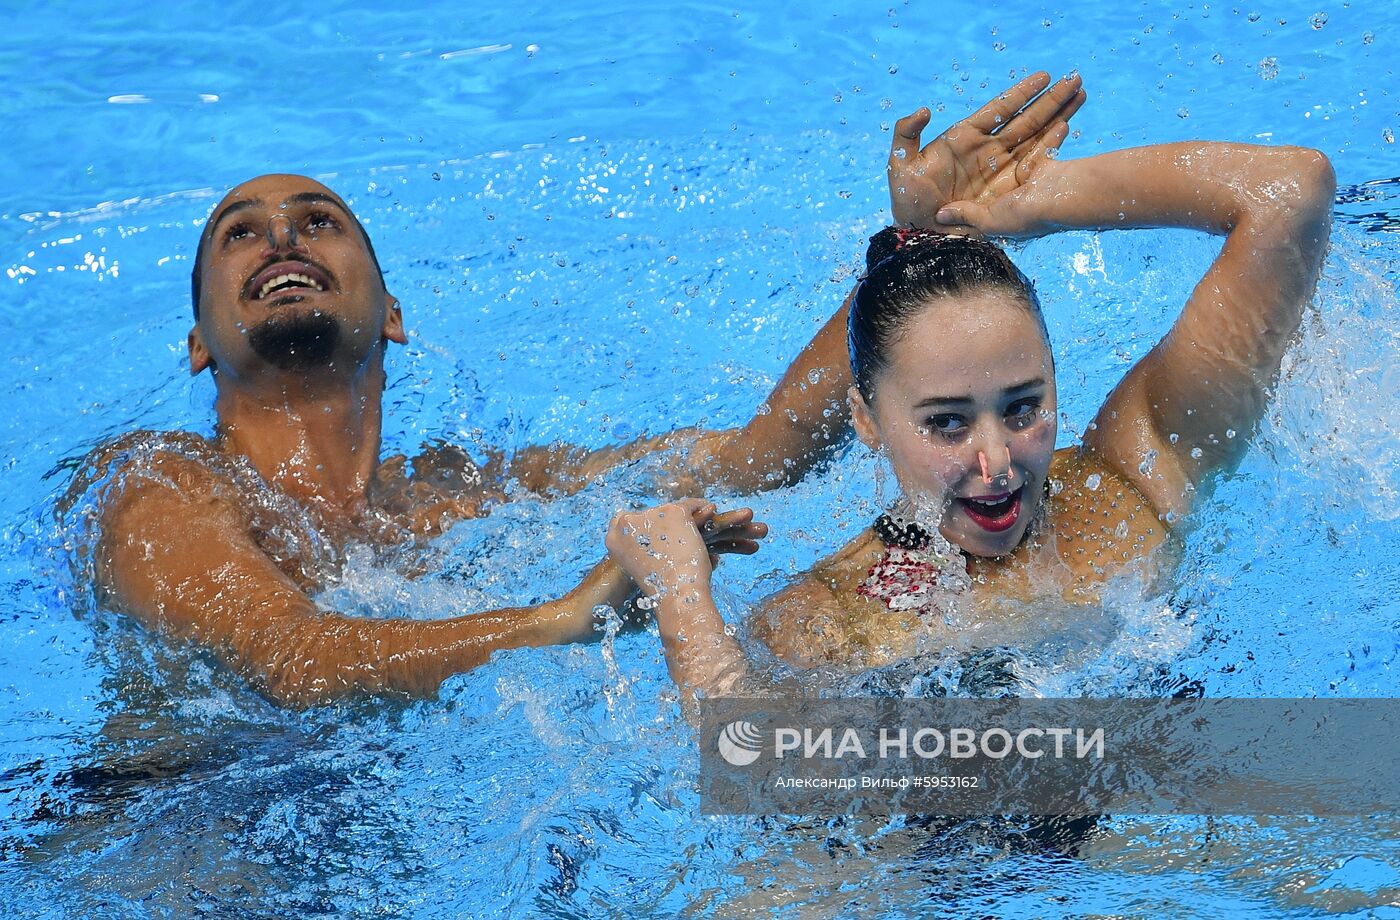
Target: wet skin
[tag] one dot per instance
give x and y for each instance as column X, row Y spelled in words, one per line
column 969, row 376
column 294, row 322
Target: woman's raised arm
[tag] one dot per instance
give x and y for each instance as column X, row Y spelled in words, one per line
column 1187, row 408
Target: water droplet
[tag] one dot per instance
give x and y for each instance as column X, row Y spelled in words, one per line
column 1268, row 68
column 836, row 97
column 1173, row 437
column 1368, row 37
column 1092, row 481
column 1148, row 462
column 1183, row 112
column 1046, row 23
column 1196, row 453
column 1253, row 17
column 1317, row 20
column 1217, row 58
column 998, row 46
column 886, row 103
column 894, row 68
column 1388, row 136
column 1229, row 432
column 899, row 155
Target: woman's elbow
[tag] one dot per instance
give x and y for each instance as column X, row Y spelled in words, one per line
column 1313, row 181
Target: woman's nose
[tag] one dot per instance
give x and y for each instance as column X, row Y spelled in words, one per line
column 994, row 459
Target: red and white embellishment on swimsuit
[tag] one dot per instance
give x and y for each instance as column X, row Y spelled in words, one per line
column 919, row 571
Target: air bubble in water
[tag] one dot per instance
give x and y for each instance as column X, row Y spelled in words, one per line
column 1368, row 38
column 1388, row 136
column 1217, row 58
column 894, row 68
column 1317, row 20
column 1183, row 112
column 998, row 46
column 1253, row 17
column 1268, row 68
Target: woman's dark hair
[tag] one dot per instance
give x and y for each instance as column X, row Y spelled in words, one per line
column 905, row 269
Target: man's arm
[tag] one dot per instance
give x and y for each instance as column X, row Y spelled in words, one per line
column 176, row 554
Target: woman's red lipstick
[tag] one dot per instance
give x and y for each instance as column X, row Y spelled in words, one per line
column 993, row 513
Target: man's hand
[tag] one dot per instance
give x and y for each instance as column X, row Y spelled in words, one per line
column 987, row 155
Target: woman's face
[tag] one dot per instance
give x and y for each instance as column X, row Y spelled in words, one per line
column 970, row 382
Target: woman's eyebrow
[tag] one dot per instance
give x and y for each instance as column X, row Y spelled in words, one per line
column 955, row 401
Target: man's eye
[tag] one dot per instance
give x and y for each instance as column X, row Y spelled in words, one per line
column 237, row 232
column 320, row 221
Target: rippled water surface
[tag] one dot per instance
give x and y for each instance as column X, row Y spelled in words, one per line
column 612, row 220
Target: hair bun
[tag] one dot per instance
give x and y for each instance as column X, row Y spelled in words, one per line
column 892, row 239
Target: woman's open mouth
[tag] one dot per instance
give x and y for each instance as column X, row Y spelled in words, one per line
column 993, row 513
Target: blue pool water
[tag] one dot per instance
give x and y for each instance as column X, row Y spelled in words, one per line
column 602, row 221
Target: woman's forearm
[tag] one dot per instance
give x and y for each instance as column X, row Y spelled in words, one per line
column 1214, row 187
column 700, row 655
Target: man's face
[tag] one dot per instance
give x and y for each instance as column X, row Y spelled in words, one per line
column 288, row 283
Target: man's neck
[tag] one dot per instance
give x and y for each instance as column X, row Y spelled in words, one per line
column 316, row 438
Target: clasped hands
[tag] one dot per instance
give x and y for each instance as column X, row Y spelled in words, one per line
column 983, row 173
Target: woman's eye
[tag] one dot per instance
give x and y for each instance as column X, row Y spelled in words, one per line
column 1023, row 412
column 946, row 424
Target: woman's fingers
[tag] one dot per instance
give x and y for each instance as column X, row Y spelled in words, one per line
column 964, row 214
column 1061, row 119
column 1043, row 149
column 905, row 143
column 1000, row 110
column 1059, row 102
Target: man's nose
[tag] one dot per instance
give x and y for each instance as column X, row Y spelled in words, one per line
column 282, row 234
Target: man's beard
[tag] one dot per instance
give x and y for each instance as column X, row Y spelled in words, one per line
column 296, row 340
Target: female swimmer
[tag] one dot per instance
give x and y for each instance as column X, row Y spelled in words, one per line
column 954, row 381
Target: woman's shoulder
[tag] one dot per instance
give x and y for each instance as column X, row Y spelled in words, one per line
column 820, row 618
column 1099, row 518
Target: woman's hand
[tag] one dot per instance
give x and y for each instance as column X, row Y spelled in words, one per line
column 985, row 158
column 665, row 547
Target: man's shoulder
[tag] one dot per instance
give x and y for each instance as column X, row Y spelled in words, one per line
column 148, row 462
